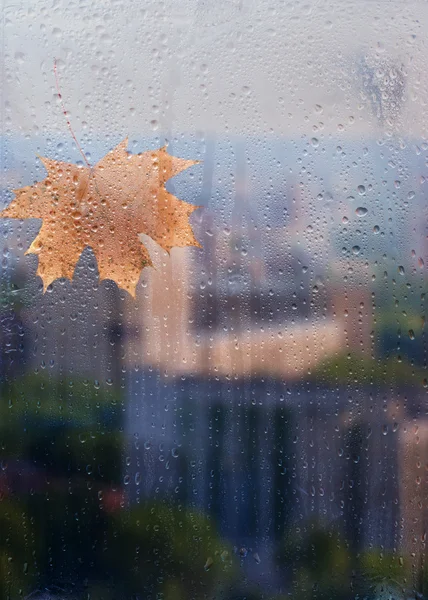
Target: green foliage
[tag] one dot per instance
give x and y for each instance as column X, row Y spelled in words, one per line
column 321, row 565
column 395, row 320
column 60, row 425
column 16, row 561
column 381, row 566
column 349, row 369
column 63, row 518
column 38, row 399
column 317, row 561
column 158, row 547
column 384, row 575
column 61, row 447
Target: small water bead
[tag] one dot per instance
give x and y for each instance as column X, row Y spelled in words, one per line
column 361, row 211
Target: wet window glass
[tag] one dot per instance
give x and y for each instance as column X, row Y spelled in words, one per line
column 213, row 351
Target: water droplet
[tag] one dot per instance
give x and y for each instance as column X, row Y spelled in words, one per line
column 20, row 57
column 361, row 190
column 361, row 211
column 208, row 564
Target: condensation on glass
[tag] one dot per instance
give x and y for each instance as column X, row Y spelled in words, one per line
column 254, row 423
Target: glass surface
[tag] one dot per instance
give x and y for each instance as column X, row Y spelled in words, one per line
column 253, row 424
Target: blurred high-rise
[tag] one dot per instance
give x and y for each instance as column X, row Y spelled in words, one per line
column 414, row 494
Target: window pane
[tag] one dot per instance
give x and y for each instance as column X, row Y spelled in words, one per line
column 212, row 347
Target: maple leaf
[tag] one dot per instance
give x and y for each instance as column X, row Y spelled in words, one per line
column 106, row 207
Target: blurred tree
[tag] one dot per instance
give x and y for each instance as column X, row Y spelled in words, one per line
column 160, row 549
column 17, row 567
column 317, row 562
column 348, row 369
column 384, row 575
column 61, row 452
column 63, row 520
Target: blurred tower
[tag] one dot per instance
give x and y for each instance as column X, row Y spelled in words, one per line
column 414, row 495
column 351, row 305
column 356, row 485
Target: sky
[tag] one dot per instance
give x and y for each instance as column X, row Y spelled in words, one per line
column 198, row 70
column 230, row 67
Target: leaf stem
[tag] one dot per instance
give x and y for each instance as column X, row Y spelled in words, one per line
column 66, row 115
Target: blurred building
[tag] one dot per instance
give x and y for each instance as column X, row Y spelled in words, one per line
column 350, row 302
column 261, row 456
column 414, row 492
column 247, row 305
column 75, row 328
column 222, row 413
column 197, row 327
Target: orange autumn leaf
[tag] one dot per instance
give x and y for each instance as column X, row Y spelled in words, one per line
column 106, row 207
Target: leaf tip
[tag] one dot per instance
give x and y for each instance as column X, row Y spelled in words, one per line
column 124, row 144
